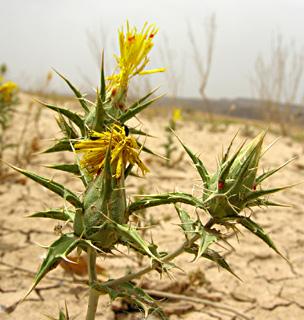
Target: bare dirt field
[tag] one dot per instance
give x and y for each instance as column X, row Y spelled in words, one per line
column 271, row 289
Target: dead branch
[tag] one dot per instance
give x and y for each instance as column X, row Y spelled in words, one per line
column 206, row 302
column 204, row 67
column 277, row 84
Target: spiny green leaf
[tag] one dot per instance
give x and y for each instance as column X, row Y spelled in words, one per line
column 149, row 151
column 166, row 198
column 245, row 172
column 92, row 193
column 214, row 257
column 62, row 145
column 265, row 202
column 85, row 177
column 67, row 129
column 226, row 165
column 99, row 117
column 57, row 214
column 69, row 114
column 131, row 234
column 77, row 93
column 90, row 116
column 259, row 232
column 218, row 259
column 267, row 174
column 187, row 223
column 196, row 161
column 132, row 294
column 102, row 92
column 139, row 132
column 63, row 315
column 78, row 222
column 206, row 239
column 146, row 303
column 226, row 155
column 256, row 142
column 255, row 194
column 50, row 317
column 56, row 252
column 134, row 111
column 67, row 167
column 53, row 186
column 107, row 177
column 139, row 101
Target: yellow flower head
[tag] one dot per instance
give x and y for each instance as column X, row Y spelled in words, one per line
column 177, row 115
column 134, row 49
column 122, row 151
column 6, row 90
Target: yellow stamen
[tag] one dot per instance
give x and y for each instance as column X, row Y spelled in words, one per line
column 122, row 152
column 134, row 49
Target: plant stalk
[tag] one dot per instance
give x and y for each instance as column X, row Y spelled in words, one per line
column 94, row 295
column 178, row 251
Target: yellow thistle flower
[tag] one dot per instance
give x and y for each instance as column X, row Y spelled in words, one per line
column 134, row 49
column 177, row 115
column 6, row 90
column 122, row 152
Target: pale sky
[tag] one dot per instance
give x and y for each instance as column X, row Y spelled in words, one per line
column 37, row 35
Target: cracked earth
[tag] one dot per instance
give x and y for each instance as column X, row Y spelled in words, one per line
column 270, row 288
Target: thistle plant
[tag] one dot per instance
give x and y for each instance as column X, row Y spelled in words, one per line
column 169, row 145
column 100, row 216
column 8, row 99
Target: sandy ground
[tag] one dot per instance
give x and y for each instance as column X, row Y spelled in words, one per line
column 271, row 288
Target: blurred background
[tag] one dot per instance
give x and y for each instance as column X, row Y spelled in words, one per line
column 69, row 36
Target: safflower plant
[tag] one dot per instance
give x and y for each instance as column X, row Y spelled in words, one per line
column 8, row 101
column 169, row 145
column 105, row 155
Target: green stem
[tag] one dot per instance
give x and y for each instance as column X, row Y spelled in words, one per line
column 93, row 296
column 168, row 258
column 141, row 272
